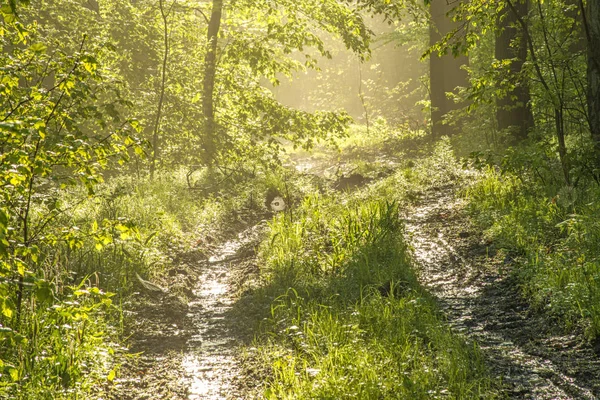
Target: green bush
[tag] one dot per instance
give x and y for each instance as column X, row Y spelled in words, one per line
column 558, row 237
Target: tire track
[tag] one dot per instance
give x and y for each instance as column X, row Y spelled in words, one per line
column 210, row 361
column 484, row 304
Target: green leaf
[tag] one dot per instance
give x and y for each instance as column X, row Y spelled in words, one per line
column 38, row 47
column 149, row 238
column 7, row 311
column 111, row 375
column 122, row 228
column 44, row 291
column 3, row 219
column 14, row 374
column 21, row 268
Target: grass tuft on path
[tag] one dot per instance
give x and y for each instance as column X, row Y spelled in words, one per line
column 347, row 316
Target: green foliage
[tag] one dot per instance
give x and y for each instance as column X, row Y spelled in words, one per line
column 354, row 323
column 58, row 130
column 79, row 93
column 252, row 124
column 392, row 10
column 556, row 235
column 62, row 348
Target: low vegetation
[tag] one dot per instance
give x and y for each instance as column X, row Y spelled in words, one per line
column 553, row 235
column 348, row 318
column 136, row 136
column 72, row 324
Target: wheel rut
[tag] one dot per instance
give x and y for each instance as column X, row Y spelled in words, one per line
column 210, row 362
column 472, row 282
column 189, row 351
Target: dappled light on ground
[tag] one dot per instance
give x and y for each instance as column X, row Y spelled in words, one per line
column 483, row 303
column 210, row 359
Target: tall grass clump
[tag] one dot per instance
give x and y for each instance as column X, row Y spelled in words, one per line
column 555, row 232
column 348, row 318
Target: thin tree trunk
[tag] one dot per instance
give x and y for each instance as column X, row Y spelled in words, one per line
column 514, row 114
column 562, row 147
column 26, row 234
column 592, row 30
column 155, row 136
column 557, row 99
column 579, row 44
column 361, row 96
column 445, row 72
column 437, row 87
column 210, row 69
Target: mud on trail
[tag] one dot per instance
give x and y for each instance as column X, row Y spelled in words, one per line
column 472, row 281
column 189, row 351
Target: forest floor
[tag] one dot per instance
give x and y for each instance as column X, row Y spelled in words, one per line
column 472, row 280
column 191, row 351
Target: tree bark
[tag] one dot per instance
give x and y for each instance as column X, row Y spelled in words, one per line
column 592, row 27
column 445, row 72
column 514, row 109
column 210, row 69
column 437, row 86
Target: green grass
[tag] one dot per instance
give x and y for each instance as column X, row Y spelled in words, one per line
column 348, row 318
column 556, row 233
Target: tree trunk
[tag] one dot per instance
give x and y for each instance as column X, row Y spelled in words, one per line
column 513, row 110
column 155, row 136
column 210, row 69
column 436, row 83
column 445, row 71
column 562, row 147
column 593, row 71
column 579, row 44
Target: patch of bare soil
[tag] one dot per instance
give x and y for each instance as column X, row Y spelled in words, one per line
column 211, row 363
column 472, row 281
column 153, row 366
column 187, row 349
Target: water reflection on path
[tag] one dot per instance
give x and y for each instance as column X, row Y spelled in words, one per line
column 210, row 362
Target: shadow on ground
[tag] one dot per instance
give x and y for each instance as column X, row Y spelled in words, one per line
column 473, row 283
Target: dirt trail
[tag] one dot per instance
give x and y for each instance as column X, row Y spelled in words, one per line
column 482, row 302
column 188, row 351
column 210, row 360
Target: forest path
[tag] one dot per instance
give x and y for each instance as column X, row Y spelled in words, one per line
column 210, row 362
column 471, row 281
column 189, row 351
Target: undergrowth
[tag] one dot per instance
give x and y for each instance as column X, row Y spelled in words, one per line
column 72, row 321
column 348, row 318
column 555, row 233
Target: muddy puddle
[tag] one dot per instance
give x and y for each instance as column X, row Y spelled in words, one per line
column 470, row 278
column 209, row 362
